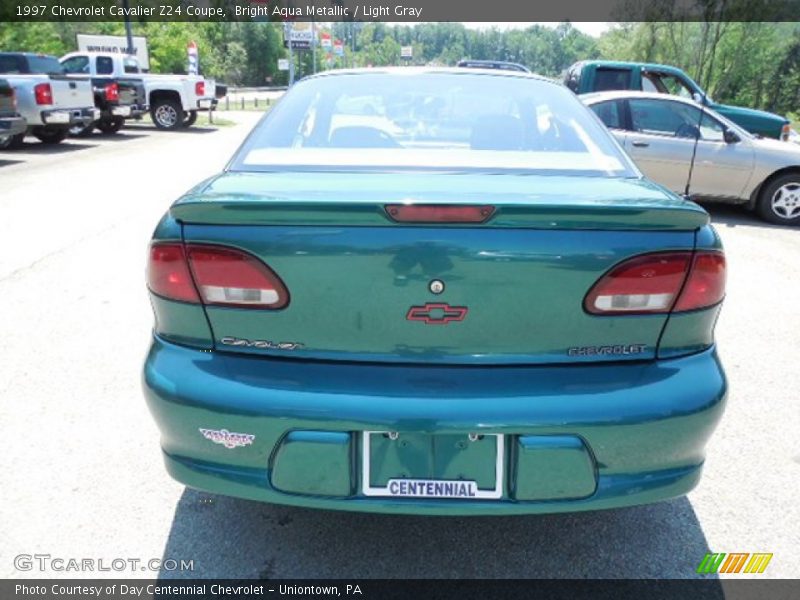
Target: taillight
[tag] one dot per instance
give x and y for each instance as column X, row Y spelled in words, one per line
column 234, row 278
column 112, row 92
column 786, row 131
column 43, row 93
column 200, row 88
column 14, row 99
column 438, row 213
column 222, row 276
column 168, row 273
column 659, row 283
column 706, row 283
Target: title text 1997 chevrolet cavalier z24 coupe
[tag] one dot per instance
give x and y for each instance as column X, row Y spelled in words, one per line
column 435, row 292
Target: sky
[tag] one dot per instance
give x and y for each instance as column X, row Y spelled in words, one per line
column 588, row 27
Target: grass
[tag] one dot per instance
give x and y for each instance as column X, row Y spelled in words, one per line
column 202, row 120
column 260, row 105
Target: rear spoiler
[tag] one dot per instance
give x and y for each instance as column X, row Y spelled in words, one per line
column 249, row 210
column 364, row 199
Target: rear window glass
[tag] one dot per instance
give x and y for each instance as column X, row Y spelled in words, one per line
column 572, row 78
column 76, row 64
column 612, row 79
column 431, row 120
column 44, row 64
column 105, row 66
column 609, row 114
column 10, row 64
column 130, row 65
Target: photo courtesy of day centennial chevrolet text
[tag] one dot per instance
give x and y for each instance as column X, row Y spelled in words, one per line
column 435, row 291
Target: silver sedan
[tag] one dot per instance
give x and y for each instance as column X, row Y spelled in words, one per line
column 731, row 165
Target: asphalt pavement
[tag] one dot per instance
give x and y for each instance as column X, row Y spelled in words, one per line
column 82, row 475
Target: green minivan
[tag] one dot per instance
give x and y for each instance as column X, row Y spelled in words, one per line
column 602, row 75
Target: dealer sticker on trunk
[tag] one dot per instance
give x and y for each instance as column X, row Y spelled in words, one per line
column 432, row 488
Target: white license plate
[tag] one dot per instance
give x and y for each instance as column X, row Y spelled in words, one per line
column 432, row 488
column 121, row 111
column 204, row 103
column 58, row 117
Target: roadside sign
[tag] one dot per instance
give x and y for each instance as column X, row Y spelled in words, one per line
column 338, row 48
column 325, row 39
column 115, row 44
column 299, row 34
column 283, row 64
column 191, row 51
column 406, row 52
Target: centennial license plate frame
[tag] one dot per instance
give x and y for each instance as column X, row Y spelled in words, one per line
column 392, row 490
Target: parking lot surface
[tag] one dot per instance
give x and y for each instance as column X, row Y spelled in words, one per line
column 82, row 472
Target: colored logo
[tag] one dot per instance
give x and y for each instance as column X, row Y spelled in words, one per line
column 734, row 562
column 228, row 439
column 436, row 314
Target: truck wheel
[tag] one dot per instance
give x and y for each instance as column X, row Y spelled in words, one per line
column 51, row 136
column 12, row 142
column 779, row 201
column 167, row 114
column 110, row 126
column 81, row 131
column 190, row 118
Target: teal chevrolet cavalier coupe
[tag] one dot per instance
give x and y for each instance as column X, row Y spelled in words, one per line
column 435, row 291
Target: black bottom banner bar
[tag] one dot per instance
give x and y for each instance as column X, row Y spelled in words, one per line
column 385, row 589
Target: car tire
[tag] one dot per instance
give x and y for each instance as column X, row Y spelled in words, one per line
column 110, row 126
column 81, row 131
column 167, row 115
column 51, row 136
column 190, row 118
column 12, row 142
column 779, row 200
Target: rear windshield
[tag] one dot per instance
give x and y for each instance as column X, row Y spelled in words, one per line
column 606, row 79
column 10, row 64
column 44, row 64
column 432, row 120
column 130, row 65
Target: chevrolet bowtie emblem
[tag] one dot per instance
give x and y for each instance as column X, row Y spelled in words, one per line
column 436, row 313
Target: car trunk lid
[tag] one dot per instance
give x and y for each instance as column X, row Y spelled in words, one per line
column 365, row 287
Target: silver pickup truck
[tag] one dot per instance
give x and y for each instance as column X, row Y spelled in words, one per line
column 174, row 100
column 50, row 102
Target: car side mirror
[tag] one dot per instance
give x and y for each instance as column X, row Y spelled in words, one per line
column 698, row 97
column 731, row 137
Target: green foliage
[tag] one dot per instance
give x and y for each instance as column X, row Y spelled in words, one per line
column 236, row 53
column 744, row 63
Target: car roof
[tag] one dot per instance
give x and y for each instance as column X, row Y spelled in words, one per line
column 470, row 63
column 400, row 71
column 82, row 53
column 624, row 63
column 26, row 54
column 595, row 97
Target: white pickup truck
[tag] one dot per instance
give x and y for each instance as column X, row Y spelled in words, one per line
column 174, row 99
column 50, row 102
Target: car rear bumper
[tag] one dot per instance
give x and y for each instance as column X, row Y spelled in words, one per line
column 126, row 111
column 207, row 104
column 69, row 117
column 576, row 437
column 12, row 126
